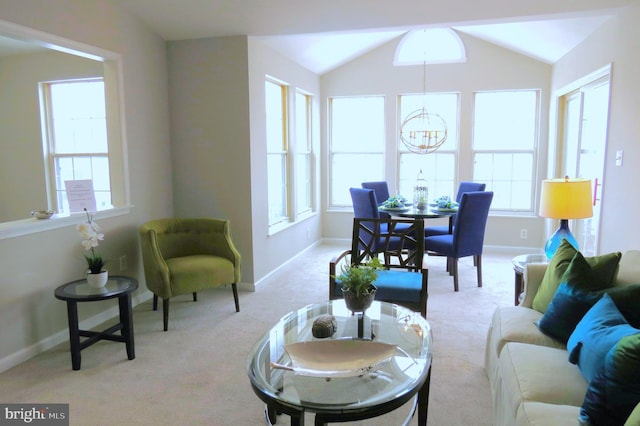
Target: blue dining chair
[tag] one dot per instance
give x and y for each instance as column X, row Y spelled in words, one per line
column 467, row 238
column 403, row 281
column 381, row 189
column 365, row 206
column 462, row 188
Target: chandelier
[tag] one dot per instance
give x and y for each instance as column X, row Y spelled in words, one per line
column 423, row 132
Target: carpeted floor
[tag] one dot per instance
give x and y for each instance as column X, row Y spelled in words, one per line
column 194, row 374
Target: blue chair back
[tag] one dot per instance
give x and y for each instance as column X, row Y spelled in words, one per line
column 468, row 234
column 382, row 193
column 381, row 188
column 365, row 203
column 469, row 187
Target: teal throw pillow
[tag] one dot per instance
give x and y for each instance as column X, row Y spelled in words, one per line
column 597, row 332
column 575, row 295
column 603, row 272
column 614, row 392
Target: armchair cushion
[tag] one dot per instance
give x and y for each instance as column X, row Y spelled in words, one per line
column 197, row 272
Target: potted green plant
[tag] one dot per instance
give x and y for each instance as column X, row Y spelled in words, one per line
column 357, row 284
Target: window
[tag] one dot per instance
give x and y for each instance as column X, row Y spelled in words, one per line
column 356, row 139
column 430, row 46
column 504, row 140
column 303, row 163
column 76, row 139
column 277, row 151
column 439, row 167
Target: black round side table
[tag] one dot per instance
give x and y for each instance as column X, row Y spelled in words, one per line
column 79, row 291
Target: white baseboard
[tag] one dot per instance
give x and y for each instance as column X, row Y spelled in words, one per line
column 62, row 336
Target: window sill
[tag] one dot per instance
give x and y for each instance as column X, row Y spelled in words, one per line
column 32, row 225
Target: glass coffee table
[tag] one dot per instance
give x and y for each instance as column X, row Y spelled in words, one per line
column 339, row 390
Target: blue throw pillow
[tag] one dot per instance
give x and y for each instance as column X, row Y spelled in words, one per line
column 576, row 294
column 615, row 390
column 596, row 333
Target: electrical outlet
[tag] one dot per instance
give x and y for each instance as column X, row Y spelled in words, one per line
column 123, row 262
column 524, row 234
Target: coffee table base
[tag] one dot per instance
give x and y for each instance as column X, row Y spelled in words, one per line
column 420, row 402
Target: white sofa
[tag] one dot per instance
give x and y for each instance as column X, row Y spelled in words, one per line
column 531, row 379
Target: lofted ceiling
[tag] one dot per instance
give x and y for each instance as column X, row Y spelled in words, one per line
column 322, row 35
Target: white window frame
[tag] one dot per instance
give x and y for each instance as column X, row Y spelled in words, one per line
column 56, row 194
column 334, row 151
column 303, row 147
column 505, row 189
column 278, row 220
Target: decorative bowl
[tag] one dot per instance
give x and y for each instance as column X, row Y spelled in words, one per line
column 42, row 214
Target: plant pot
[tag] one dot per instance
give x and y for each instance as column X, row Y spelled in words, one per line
column 98, row 280
column 358, row 303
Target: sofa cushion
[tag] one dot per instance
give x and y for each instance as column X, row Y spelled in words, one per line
column 574, row 297
column 615, row 391
column 557, row 266
column 596, row 333
column 534, row 413
column 539, row 373
column 603, row 273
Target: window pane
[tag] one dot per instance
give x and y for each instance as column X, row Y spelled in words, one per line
column 350, row 170
column 78, row 117
column 438, row 170
column 509, row 176
column 303, row 181
column 275, row 117
column 357, row 145
column 357, row 124
column 276, row 187
column 303, row 157
column 505, row 120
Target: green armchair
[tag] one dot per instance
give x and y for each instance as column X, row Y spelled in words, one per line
column 184, row 256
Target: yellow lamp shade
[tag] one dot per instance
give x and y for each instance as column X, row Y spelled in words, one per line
column 566, row 199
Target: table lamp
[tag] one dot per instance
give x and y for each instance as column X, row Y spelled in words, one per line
column 564, row 199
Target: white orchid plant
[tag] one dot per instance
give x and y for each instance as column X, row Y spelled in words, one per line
column 91, row 235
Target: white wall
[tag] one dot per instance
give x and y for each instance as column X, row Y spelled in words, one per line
column 208, row 86
column 32, row 266
column 271, row 251
column 615, row 43
column 488, row 67
column 219, row 147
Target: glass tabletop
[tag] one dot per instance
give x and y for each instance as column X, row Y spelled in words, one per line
column 81, row 291
column 273, row 376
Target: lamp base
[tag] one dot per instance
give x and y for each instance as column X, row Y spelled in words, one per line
column 562, row 233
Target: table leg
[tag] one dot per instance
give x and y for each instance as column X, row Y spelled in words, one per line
column 74, row 335
column 126, row 319
column 423, row 400
column 518, row 287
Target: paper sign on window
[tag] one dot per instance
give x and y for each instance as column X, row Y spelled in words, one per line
column 80, row 195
